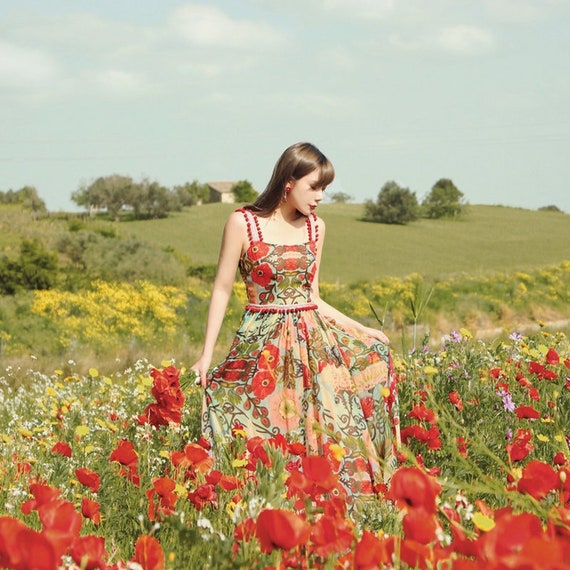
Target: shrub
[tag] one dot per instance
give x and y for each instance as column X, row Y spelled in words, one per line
column 35, row 268
column 444, row 200
column 394, row 205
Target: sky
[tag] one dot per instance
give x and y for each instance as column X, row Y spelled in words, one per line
column 404, row 90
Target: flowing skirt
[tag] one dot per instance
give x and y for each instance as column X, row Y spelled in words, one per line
column 301, row 375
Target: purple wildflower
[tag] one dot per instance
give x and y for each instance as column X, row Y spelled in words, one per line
column 508, row 403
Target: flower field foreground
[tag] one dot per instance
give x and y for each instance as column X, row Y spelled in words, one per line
column 111, row 472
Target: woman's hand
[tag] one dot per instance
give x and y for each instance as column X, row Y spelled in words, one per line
column 377, row 334
column 201, row 367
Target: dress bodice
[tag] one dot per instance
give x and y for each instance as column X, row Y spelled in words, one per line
column 278, row 275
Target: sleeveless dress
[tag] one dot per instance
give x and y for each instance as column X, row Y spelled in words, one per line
column 294, row 372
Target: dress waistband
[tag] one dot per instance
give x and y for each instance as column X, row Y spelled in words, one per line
column 268, row 308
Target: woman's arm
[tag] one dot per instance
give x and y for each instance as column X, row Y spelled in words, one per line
column 329, row 311
column 233, row 241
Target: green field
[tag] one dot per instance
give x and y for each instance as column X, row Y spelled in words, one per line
column 487, row 239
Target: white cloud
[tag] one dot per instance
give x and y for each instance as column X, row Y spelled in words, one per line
column 465, row 39
column 206, row 25
column 118, row 82
column 25, row 67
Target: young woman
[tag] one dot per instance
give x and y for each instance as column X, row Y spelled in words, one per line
column 297, row 366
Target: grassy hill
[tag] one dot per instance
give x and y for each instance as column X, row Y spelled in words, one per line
column 487, row 239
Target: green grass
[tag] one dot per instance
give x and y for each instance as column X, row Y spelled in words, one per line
column 487, row 239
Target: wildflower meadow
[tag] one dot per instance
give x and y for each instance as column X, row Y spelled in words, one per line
column 111, row 472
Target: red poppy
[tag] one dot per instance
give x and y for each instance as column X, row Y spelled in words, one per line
column 62, row 524
column 149, row 553
column 263, row 383
column 538, row 479
column 415, row 554
column 316, row 478
column 331, row 533
column 125, row 454
column 420, row 525
column 523, row 380
column 262, row 274
column 497, row 373
column 203, row 495
column 456, row 400
column 420, row 412
column 462, row 446
column 277, row 528
column 533, row 394
column 258, row 453
column 163, row 488
column 63, row 448
column 23, row 547
column 160, row 415
column 89, row 552
column 508, row 537
column 88, row 478
column 297, row 448
column 427, row 436
column 226, row 482
column 194, row 457
column 278, row 442
column 43, row 495
column 560, row 459
column 521, row 446
column 169, row 398
column 413, row 488
column 526, row 412
column 245, row 530
column 541, row 372
column 91, row 510
column 552, row 357
column 371, row 553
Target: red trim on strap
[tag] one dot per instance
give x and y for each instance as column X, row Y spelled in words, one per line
column 251, row 229
column 280, row 308
column 313, row 227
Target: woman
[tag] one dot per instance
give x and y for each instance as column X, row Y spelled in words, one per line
column 297, row 366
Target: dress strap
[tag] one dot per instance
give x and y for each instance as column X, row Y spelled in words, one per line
column 312, row 227
column 253, row 229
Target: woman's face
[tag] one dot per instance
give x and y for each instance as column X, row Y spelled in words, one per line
column 306, row 194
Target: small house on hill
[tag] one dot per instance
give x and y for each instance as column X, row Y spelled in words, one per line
column 221, row 192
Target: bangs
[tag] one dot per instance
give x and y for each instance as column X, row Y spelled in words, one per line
column 326, row 175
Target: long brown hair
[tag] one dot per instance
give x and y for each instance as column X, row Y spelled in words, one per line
column 296, row 161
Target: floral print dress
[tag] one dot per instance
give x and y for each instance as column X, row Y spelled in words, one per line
column 292, row 371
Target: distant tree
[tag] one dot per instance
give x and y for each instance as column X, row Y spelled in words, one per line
column 111, row 193
column 243, row 191
column 192, row 193
column 27, row 196
column 394, row 205
column 340, row 197
column 156, row 200
column 551, row 208
column 443, row 201
column 91, row 197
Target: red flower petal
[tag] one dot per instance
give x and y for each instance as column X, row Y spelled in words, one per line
column 277, row 528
